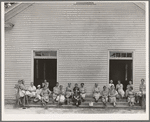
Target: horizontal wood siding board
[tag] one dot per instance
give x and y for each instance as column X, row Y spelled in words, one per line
column 82, row 35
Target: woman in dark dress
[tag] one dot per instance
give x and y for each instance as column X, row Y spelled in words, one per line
column 76, row 98
column 142, row 97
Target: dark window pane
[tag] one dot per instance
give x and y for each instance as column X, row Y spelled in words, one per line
column 37, row 53
column 123, row 55
column 112, row 54
column 45, row 53
column 117, row 54
column 53, row 53
column 129, row 54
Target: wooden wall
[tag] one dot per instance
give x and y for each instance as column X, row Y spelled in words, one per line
column 83, row 34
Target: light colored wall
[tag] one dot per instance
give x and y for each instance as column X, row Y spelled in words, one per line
column 83, row 34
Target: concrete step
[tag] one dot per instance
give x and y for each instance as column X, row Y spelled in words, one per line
column 82, row 106
column 83, row 103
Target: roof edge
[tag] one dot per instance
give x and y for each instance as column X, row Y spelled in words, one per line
column 140, row 5
column 16, row 10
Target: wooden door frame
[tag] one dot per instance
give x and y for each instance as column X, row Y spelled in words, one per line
column 121, row 50
column 45, row 57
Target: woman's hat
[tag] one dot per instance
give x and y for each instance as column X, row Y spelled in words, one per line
column 39, row 86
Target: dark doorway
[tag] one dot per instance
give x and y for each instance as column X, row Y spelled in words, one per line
column 45, row 69
column 120, row 70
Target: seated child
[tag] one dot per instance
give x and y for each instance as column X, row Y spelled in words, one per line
column 82, row 92
column 104, row 94
column 112, row 95
column 68, row 93
column 38, row 93
column 131, row 96
column 76, row 98
column 96, row 92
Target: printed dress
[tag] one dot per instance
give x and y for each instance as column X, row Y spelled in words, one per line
column 112, row 96
column 96, row 93
column 104, row 95
column 119, row 87
column 45, row 95
column 83, row 92
column 128, row 86
column 131, row 97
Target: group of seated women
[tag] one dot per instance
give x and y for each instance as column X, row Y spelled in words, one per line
column 77, row 94
column 23, row 93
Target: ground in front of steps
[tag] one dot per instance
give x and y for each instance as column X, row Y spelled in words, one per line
column 9, row 109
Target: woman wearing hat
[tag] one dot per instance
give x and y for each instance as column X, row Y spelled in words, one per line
column 82, row 92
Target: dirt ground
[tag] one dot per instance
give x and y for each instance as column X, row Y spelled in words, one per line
column 9, row 109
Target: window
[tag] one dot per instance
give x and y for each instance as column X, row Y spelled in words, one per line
column 120, row 54
column 45, row 53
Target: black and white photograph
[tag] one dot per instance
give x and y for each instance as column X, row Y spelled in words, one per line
column 75, row 60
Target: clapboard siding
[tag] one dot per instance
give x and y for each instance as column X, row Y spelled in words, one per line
column 82, row 34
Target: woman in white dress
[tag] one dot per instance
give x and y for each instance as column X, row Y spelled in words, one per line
column 61, row 97
column 38, row 94
column 110, row 84
column 96, row 92
column 112, row 95
column 56, row 91
column 119, row 88
column 82, row 92
column 31, row 90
